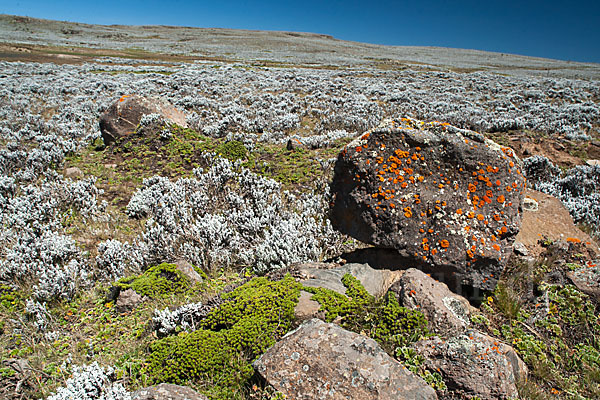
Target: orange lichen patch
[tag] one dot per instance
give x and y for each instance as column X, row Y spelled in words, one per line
column 573, row 240
column 498, row 183
column 444, row 243
column 358, row 149
column 365, row 136
column 496, row 247
column 500, row 199
column 480, row 217
column 472, row 187
column 459, row 211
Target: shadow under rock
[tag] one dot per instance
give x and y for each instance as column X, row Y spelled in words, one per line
column 391, row 259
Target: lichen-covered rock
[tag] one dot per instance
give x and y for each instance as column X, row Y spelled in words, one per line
column 167, row 391
column 125, row 114
column 475, row 364
column 446, row 198
column 587, row 279
column 447, row 313
column 323, row 361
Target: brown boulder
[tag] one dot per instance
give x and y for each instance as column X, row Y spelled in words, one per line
column 448, row 314
column 447, row 199
column 124, row 115
column 475, row 364
column 324, row 361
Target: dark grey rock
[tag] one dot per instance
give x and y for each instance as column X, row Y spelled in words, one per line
column 447, row 199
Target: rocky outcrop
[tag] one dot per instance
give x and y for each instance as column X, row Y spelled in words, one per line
column 125, row 114
column 446, row 198
column 167, row 391
column 375, row 281
column 324, row 361
column 474, row 364
column 447, row 313
column 329, row 276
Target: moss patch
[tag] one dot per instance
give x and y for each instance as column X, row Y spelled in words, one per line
column 217, row 357
column 160, row 281
column 381, row 319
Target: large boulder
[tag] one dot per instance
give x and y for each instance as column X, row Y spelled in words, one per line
column 124, row 115
column 323, row 361
column 475, row 364
column 447, row 313
column 447, row 199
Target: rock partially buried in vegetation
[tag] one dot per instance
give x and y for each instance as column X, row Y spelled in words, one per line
column 125, row 114
column 323, row 361
column 446, row 198
column 447, row 313
column 475, row 364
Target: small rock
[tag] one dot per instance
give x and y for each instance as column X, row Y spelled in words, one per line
column 530, row 204
column 306, row 307
column 592, row 163
column 110, row 166
column 167, row 391
column 520, row 249
column 188, row 270
column 475, row 364
column 293, row 144
column 128, row 300
column 446, row 312
column 73, row 172
column 323, row 361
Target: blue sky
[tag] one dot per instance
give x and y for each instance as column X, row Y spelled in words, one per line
column 566, row 30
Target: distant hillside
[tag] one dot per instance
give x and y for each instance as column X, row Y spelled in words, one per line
column 281, row 47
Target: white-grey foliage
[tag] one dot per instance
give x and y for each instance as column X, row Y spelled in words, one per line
column 38, row 313
column 34, row 248
column 228, row 216
column 186, row 317
column 49, row 111
column 577, row 188
column 91, row 382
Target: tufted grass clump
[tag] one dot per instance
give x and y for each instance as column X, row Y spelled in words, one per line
column 383, row 320
column 217, row 356
column 160, row 281
column 233, row 150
